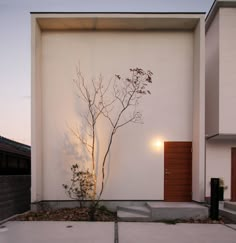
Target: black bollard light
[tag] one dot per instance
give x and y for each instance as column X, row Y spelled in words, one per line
column 214, row 209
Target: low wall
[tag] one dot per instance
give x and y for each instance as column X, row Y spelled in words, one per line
column 14, row 195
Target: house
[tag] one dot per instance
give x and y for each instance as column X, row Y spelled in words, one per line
column 220, row 96
column 166, row 158
column 14, row 157
column 15, row 179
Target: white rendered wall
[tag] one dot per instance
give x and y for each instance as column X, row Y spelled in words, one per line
column 36, row 113
column 221, row 73
column 218, row 157
column 227, row 70
column 135, row 171
column 198, row 145
column 212, row 78
column 220, row 95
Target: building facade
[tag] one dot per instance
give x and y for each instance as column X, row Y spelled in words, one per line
column 168, row 156
column 220, row 96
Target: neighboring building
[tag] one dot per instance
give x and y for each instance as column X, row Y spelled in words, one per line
column 15, row 179
column 220, row 96
column 14, row 158
column 172, row 46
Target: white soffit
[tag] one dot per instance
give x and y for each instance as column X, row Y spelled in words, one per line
column 117, row 21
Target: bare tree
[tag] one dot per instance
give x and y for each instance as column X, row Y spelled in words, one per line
column 93, row 96
column 127, row 93
column 117, row 101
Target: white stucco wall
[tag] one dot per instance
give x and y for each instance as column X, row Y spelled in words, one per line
column 36, row 114
column 221, row 73
column 212, row 78
column 135, row 170
column 198, row 144
column 227, row 70
column 220, row 95
column 218, row 157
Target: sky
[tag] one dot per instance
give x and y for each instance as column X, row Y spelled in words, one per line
column 15, row 48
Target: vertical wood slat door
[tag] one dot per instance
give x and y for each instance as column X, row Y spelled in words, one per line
column 233, row 175
column 178, row 171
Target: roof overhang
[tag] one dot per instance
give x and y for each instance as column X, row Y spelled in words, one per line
column 117, row 21
column 222, row 137
column 215, row 7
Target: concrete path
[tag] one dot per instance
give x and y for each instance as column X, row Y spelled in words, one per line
column 57, row 232
column 179, row 233
column 99, row 232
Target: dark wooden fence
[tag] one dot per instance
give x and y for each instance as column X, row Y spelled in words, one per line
column 15, row 178
column 14, row 195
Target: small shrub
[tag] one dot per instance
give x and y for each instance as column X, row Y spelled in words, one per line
column 82, row 185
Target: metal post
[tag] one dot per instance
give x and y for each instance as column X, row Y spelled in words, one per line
column 214, row 209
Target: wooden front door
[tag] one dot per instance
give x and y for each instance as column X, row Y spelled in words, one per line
column 233, row 175
column 178, row 171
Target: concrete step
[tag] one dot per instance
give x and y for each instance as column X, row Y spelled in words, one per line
column 230, row 205
column 142, row 210
column 177, row 210
column 227, row 212
column 132, row 217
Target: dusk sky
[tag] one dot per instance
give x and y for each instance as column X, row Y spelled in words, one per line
column 15, row 48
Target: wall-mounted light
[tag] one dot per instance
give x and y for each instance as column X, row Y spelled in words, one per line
column 157, row 144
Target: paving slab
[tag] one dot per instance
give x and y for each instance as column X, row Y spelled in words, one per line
column 179, row 233
column 57, row 232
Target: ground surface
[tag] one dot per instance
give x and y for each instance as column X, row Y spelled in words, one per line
column 106, row 232
column 57, row 232
column 179, row 233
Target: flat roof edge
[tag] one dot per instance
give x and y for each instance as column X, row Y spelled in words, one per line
column 217, row 4
column 118, row 13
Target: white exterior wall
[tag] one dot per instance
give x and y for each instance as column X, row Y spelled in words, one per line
column 212, row 78
column 218, row 157
column 174, row 111
column 227, row 70
column 220, row 95
column 198, row 113
column 221, row 73
column 36, row 114
column 135, row 170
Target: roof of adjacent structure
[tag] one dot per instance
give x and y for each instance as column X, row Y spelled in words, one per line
column 215, row 7
column 11, row 146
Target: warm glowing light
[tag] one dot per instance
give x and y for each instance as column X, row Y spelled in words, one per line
column 157, row 144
